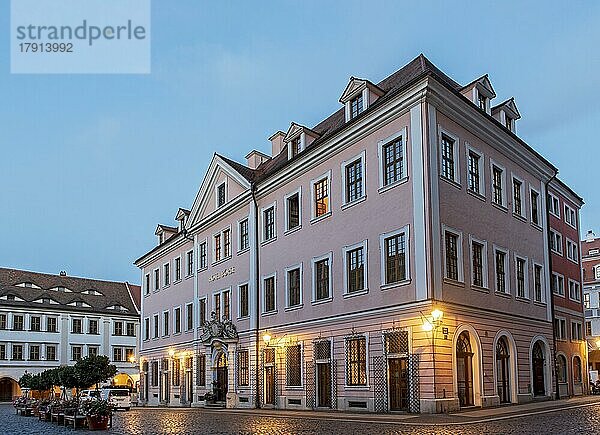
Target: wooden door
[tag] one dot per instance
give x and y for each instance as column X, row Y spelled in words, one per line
column 398, row 383
column 269, row 385
column 539, row 386
column 324, row 385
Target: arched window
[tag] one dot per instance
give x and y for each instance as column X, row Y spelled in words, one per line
column 562, row 369
column 576, row 369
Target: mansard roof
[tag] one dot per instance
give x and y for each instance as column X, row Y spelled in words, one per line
column 121, row 293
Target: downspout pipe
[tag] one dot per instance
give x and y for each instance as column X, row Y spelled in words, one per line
column 549, row 235
column 257, row 293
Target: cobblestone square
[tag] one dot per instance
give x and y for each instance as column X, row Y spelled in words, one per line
column 582, row 420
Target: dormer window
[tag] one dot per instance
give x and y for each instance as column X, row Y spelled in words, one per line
column 509, row 123
column 221, row 195
column 296, row 145
column 298, row 138
column 358, row 97
column 356, row 106
column 483, row 102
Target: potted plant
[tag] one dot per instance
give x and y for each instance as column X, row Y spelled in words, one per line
column 98, row 413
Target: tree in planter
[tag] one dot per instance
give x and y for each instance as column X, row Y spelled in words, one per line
column 25, row 380
column 93, row 370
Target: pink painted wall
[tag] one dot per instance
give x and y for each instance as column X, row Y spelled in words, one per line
column 471, row 215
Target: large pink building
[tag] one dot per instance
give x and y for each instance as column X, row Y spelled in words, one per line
column 392, row 257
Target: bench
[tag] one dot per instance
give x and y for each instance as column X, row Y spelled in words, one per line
column 77, row 420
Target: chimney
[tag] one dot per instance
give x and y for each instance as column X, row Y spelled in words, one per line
column 277, row 143
column 255, row 158
column 590, row 236
column 63, row 273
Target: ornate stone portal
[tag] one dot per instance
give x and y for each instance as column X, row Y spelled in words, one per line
column 220, row 338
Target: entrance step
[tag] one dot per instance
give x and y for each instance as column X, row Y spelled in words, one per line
column 218, row 405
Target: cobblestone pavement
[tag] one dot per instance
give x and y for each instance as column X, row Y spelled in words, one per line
column 581, row 420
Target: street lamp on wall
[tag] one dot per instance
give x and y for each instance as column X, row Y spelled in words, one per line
column 267, row 339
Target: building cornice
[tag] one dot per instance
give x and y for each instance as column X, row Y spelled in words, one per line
column 470, row 117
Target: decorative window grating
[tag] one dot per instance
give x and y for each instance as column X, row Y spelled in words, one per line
column 322, row 350
column 293, row 365
column 396, row 342
column 201, row 370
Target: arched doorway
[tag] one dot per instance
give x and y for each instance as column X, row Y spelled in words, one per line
column 8, row 389
column 464, row 369
column 503, row 370
column 222, row 378
column 562, row 375
column 537, row 363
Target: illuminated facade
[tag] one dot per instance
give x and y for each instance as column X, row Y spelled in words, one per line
column 392, row 257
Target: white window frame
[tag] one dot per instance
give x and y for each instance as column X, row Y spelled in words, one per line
column 287, row 287
column 504, row 204
column 568, row 211
column 575, row 247
column 596, row 270
column 264, row 295
column 481, row 165
column 145, row 336
column 286, row 209
column 174, row 322
column 290, row 144
column 362, row 156
column 455, row 153
column 222, row 242
column 347, row 105
column 206, row 246
column 570, row 282
column 187, row 305
column 539, row 208
column 239, row 235
column 553, row 235
column 542, row 282
column 459, row 253
column 224, row 182
column 403, row 133
column 156, row 320
column 175, row 280
column 522, row 190
column 382, row 237
column 189, row 272
column 164, row 275
column 525, row 277
column 314, row 261
column 147, row 283
column 345, row 250
column 167, row 312
column 558, row 275
column 484, row 258
column 262, row 222
column 239, row 300
column 507, row 280
column 562, row 321
column 555, row 213
column 313, row 208
column 156, row 270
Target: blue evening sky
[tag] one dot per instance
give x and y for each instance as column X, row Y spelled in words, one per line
column 91, row 163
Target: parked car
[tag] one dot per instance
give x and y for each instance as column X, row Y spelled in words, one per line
column 118, row 397
column 89, row 395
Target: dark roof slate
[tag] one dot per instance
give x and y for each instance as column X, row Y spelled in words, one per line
column 112, row 292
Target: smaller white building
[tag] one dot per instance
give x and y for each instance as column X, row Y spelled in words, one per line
column 50, row 320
